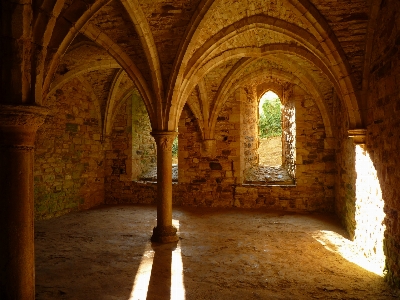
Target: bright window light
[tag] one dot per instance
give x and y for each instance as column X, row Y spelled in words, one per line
column 268, row 96
column 367, row 248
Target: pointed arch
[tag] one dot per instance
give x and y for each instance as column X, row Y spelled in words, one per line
column 142, row 27
column 269, row 86
column 321, row 48
column 335, row 54
column 103, row 64
column 111, row 113
column 178, row 65
column 268, row 50
column 66, row 41
column 111, row 98
column 305, row 83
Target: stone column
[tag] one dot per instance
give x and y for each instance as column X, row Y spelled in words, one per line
column 164, row 232
column 18, row 126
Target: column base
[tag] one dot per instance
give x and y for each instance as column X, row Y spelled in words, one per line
column 164, row 235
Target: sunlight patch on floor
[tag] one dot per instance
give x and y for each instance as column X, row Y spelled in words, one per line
column 142, row 279
column 336, row 243
column 177, row 284
column 144, row 273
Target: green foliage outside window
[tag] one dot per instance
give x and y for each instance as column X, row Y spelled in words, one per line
column 175, row 147
column 270, row 119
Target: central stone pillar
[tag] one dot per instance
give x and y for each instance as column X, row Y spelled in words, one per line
column 18, row 126
column 164, row 232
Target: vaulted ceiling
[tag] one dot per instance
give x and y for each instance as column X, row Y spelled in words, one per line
column 199, row 51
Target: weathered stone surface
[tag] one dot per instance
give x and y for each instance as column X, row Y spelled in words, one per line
column 69, row 157
column 334, row 64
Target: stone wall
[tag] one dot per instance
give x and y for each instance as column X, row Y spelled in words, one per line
column 289, row 132
column 367, row 194
column 215, row 179
column 69, row 166
column 207, row 180
column 249, row 128
column 346, row 172
column 144, row 153
column 383, row 139
column 222, row 186
column 130, row 147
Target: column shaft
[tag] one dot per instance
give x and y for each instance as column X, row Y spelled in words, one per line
column 18, row 127
column 164, row 232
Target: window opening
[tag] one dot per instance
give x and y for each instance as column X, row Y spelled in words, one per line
column 175, row 159
column 271, row 167
column 270, row 130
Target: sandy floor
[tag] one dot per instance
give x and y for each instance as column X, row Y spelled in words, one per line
column 270, row 151
column 105, row 253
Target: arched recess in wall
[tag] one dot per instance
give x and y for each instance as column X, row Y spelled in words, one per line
column 128, row 104
column 59, row 38
column 263, row 76
column 329, row 57
column 82, row 25
column 79, row 75
column 242, row 53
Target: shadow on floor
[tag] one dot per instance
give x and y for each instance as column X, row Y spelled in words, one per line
column 222, row 254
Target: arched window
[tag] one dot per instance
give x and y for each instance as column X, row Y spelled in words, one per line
column 270, row 130
column 276, row 149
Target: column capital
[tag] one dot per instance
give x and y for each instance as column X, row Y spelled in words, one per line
column 208, row 148
column 358, row 135
column 164, row 139
column 19, row 123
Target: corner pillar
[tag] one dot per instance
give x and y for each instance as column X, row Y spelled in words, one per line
column 164, row 232
column 18, row 126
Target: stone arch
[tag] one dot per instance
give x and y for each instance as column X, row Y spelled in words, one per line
column 66, row 41
column 335, row 54
column 103, row 64
column 307, row 86
column 142, row 27
column 100, row 38
column 259, row 52
column 213, row 44
column 269, row 86
column 126, row 63
column 176, row 74
column 111, row 99
column 111, row 113
column 43, row 27
column 274, row 49
column 335, row 67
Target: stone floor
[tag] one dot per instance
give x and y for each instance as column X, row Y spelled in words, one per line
column 105, row 253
